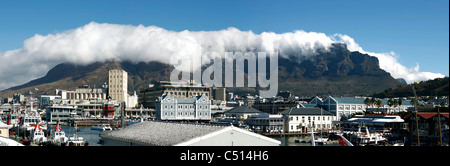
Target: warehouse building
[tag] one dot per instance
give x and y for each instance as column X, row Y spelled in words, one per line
column 153, row 133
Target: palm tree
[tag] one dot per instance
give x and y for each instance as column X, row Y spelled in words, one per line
column 391, row 102
column 379, row 102
column 367, row 101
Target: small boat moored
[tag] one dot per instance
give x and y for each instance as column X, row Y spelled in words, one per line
column 101, row 127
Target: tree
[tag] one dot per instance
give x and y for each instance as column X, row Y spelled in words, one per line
column 391, row 102
column 372, row 100
column 367, row 101
column 379, row 102
column 396, row 102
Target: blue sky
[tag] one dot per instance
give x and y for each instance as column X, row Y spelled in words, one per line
column 417, row 31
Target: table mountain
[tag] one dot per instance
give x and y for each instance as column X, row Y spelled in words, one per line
column 336, row 72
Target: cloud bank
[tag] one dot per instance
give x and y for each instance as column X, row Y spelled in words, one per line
column 99, row 42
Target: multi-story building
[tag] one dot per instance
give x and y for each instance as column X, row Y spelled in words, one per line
column 118, row 84
column 172, row 108
column 266, row 123
column 242, row 113
column 345, row 107
column 219, row 94
column 299, row 119
column 84, row 92
column 61, row 113
column 46, row 100
column 147, row 97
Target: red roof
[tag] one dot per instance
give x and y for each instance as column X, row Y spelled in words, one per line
column 428, row 115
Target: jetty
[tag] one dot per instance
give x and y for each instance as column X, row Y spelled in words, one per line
column 93, row 122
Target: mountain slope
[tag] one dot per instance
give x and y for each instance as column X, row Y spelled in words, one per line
column 436, row 87
column 335, row 72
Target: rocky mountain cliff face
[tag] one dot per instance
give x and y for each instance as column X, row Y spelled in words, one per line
column 334, row 72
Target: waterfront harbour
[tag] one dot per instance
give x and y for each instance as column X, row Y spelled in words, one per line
column 301, row 140
column 91, row 136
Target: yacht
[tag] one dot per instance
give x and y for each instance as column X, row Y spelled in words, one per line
column 363, row 138
column 101, row 127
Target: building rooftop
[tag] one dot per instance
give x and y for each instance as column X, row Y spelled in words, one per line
column 161, row 133
column 353, row 100
column 305, row 111
column 243, row 109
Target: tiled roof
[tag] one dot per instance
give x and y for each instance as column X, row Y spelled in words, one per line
column 161, row 133
column 352, row 100
column 243, row 109
column 305, row 111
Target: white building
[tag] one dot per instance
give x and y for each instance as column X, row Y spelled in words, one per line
column 169, row 107
column 299, row 119
column 132, row 100
column 152, row 133
column 242, row 112
column 266, row 123
column 4, row 130
column 60, row 113
column 118, row 84
column 345, row 107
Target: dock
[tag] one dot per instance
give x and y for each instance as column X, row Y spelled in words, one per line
column 115, row 123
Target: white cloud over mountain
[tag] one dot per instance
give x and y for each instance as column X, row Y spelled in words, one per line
column 98, row 42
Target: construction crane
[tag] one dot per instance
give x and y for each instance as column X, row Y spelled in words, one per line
column 415, row 109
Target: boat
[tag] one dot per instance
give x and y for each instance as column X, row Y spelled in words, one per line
column 141, row 119
column 321, row 141
column 101, row 127
column 58, row 137
column 132, row 122
column 364, row 138
column 75, row 140
column 39, row 136
column 30, row 119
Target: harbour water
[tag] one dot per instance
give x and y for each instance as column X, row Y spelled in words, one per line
column 291, row 141
column 92, row 136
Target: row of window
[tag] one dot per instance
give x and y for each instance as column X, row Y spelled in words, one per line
column 186, row 113
column 184, row 93
column 309, row 118
column 317, row 126
column 191, row 89
column 186, row 107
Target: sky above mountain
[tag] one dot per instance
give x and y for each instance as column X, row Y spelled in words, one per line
column 410, row 38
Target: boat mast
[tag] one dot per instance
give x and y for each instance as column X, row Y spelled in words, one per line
column 415, row 109
column 312, row 134
column 440, row 131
